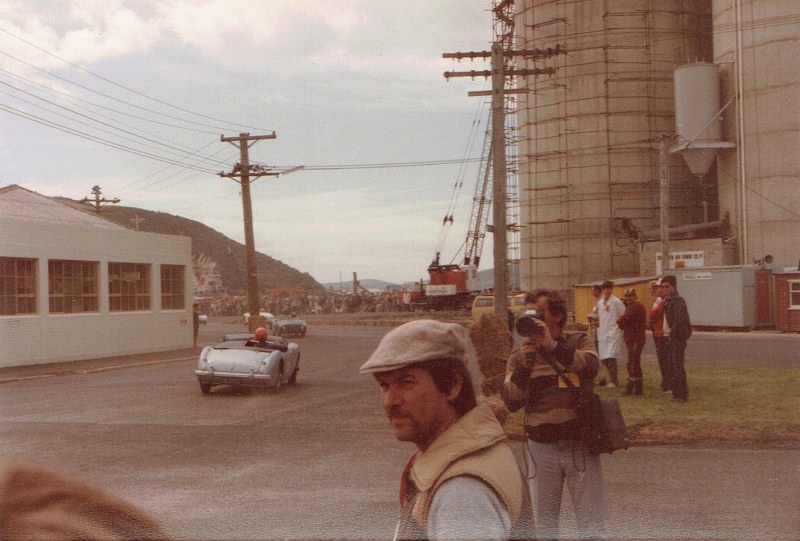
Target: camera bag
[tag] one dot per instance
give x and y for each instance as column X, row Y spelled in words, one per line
column 600, row 420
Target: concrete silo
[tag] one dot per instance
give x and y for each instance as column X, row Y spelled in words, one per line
column 589, row 135
column 756, row 44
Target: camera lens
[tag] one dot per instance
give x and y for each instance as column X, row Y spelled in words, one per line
column 526, row 326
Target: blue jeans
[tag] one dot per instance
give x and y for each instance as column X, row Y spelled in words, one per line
column 677, row 350
column 549, row 466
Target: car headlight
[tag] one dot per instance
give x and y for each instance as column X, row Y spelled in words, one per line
column 263, row 367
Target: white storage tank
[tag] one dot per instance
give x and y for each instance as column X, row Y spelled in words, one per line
column 697, row 115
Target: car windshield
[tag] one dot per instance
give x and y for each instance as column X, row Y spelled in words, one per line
column 242, row 344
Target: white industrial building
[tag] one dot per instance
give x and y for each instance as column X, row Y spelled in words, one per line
column 74, row 285
column 717, row 81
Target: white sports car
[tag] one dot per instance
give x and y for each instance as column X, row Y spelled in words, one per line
column 241, row 360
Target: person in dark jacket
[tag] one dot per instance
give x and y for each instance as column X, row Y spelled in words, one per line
column 633, row 323
column 678, row 330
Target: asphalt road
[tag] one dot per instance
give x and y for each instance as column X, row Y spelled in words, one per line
column 318, row 460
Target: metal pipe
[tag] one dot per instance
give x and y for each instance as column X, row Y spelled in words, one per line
column 741, row 169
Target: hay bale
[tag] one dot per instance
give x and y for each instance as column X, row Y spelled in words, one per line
column 492, row 341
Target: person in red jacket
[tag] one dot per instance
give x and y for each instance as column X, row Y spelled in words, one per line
column 633, row 323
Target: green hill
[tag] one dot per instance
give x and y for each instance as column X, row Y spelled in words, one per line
column 228, row 254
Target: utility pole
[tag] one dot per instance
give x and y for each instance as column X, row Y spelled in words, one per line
column 243, row 171
column 97, row 202
column 664, row 202
column 136, row 220
column 501, row 55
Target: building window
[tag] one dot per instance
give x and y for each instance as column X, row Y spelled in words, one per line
column 73, row 286
column 17, row 286
column 794, row 294
column 128, row 287
column 172, row 287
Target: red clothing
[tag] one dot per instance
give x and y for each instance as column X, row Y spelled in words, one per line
column 657, row 317
column 633, row 322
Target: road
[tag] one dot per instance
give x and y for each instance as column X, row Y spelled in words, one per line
column 318, row 460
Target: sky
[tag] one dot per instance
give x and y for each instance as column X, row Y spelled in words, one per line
column 134, row 96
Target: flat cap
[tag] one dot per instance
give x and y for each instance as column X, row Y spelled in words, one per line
column 630, row 292
column 419, row 341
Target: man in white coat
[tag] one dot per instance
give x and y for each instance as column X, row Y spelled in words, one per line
column 609, row 335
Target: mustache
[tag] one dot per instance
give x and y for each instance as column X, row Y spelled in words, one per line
column 395, row 412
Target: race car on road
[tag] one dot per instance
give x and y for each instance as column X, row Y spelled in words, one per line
column 241, row 360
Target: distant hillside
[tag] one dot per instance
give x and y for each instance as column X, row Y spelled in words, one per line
column 228, row 254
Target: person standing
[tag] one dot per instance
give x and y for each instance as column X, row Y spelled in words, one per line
column 609, row 335
column 678, row 330
column 659, row 340
column 463, row 481
column 195, row 322
column 592, row 316
column 633, row 323
column 555, row 451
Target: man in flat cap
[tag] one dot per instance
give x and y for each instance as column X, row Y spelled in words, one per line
column 463, row 481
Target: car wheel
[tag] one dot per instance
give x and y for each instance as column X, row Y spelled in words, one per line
column 205, row 388
column 278, row 380
column 293, row 377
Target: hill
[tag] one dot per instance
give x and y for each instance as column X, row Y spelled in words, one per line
column 228, row 254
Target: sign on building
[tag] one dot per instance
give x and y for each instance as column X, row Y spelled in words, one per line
column 682, row 260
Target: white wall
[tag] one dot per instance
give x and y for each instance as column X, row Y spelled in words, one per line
column 43, row 338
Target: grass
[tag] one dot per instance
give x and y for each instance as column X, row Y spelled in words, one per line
column 727, row 405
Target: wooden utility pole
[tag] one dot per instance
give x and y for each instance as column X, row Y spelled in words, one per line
column 244, row 172
column 97, row 202
column 500, row 54
column 136, row 220
column 664, row 202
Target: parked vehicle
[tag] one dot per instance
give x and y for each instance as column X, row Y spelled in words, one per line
column 289, row 327
column 484, row 304
column 242, row 361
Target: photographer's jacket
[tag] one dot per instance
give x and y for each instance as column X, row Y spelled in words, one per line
column 548, row 402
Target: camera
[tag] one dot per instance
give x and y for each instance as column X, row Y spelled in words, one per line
column 525, row 326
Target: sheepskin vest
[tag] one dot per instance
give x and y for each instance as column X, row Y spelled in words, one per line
column 474, row 446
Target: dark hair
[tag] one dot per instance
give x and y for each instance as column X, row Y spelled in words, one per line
column 445, row 374
column 669, row 279
column 607, row 283
column 556, row 304
column 531, row 296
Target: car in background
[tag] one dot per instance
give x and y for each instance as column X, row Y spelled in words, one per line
column 292, row 327
column 240, row 360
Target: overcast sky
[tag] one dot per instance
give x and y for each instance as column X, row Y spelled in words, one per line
column 345, row 83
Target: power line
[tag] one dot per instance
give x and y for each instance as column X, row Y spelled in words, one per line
column 119, row 85
column 111, row 97
column 51, row 124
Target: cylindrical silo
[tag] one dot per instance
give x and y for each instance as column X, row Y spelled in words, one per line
column 756, row 44
column 698, row 118
column 589, row 134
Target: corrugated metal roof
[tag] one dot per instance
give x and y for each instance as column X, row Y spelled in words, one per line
column 23, row 204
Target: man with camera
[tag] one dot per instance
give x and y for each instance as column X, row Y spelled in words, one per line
column 555, row 450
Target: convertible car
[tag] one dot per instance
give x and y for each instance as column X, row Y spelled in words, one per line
column 289, row 327
column 241, row 360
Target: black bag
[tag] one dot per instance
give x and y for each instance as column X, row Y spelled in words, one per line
column 600, row 419
column 602, row 424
